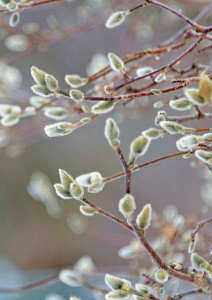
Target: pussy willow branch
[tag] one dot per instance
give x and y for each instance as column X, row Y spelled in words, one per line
column 155, row 257
column 127, row 172
column 31, row 4
column 134, row 228
column 198, row 227
column 121, row 174
column 165, row 67
column 187, row 293
column 180, row 33
column 105, row 213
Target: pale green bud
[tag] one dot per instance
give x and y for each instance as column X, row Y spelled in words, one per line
column 161, row 276
column 111, row 130
column 85, row 108
column 85, row 264
column 116, row 63
column 4, row 2
column 88, row 179
column 156, row 92
column 204, row 156
column 143, row 289
column 115, row 144
column 117, row 295
column 38, row 76
column 7, row 109
column 171, row 127
column 10, row 120
column 161, row 77
column 152, row 133
column 191, row 247
column 14, row 19
column 161, row 116
column 207, row 136
column 66, row 179
column 56, row 113
column 75, row 298
column 61, row 191
column 76, row 190
column 116, row 19
column 189, row 141
column 85, row 120
column 180, row 104
column 37, row 101
column 139, row 146
column 194, row 97
column 87, row 210
column 51, row 83
column 144, row 70
column 76, row 95
column 95, row 188
column 187, row 155
column 17, row 43
column 116, row 283
column 158, row 104
column 199, row 263
column 70, row 278
column 58, row 129
column 127, row 205
column 103, row 107
column 75, row 81
column 41, row 91
column 54, row 297
column 12, row 6
column 144, row 218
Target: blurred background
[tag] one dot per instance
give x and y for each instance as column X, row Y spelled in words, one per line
column 32, row 236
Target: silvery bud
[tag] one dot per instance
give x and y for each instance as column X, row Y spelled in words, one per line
column 161, row 276
column 204, row 156
column 161, row 77
column 161, row 116
column 58, row 129
column 152, row 133
column 116, row 19
column 66, row 179
column 88, row 179
column 51, row 83
column 156, row 92
column 14, row 19
column 69, row 277
column 87, row 210
column 144, row 70
column 171, row 127
column 116, row 63
column 117, row 295
column 75, row 81
column 199, row 263
column 111, row 130
column 139, row 146
column 194, row 96
column 127, row 205
column 180, row 104
column 144, row 218
column 56, row 113
column 76, row 190
column 143, row 289
column 38, row 76
column 41, row 91
column 76, row 95
column 103, row 107
column 116, row 283
column 62, row 192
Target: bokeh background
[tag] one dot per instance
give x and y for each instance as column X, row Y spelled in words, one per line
column 33, row 243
